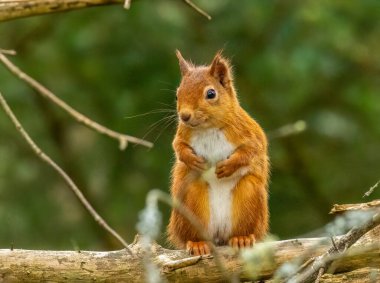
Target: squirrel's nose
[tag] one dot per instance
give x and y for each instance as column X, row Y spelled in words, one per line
column 185, row 116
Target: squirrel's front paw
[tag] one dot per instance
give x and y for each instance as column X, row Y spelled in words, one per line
column 196, row 162
column 197, row 248
column 226, row 168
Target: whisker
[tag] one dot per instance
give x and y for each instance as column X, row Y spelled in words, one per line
column 166, row 83
column 173, row 105
column 168, row 123
column 164, row 120
column 157, row 123
column 151, row 112
column 168, row 89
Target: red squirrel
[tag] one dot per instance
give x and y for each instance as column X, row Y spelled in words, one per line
column 222, row 168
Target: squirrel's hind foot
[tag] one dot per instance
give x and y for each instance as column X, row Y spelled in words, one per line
column 197, row 248
column 240, row 242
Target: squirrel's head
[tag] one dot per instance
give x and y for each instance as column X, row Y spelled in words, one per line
column 206, row 94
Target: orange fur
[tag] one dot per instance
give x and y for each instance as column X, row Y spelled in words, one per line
column 250, row 195
column 192, row 193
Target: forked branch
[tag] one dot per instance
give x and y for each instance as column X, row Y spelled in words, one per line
column 43, row 156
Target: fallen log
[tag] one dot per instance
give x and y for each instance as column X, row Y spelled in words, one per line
column 176, row 265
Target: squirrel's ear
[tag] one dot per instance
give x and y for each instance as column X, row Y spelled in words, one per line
column 184, row 66
column 221, row 70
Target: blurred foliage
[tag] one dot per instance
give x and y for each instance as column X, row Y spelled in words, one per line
column 316, row 61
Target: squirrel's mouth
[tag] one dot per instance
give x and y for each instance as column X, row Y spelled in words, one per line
column 193, row 125
column 197, row 123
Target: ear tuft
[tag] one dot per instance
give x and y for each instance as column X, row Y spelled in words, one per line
column 220, row 69
column 184, row 66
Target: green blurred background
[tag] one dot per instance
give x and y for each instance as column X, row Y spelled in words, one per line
column 316, row 61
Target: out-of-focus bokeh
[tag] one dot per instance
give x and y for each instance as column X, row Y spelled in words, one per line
column 312, row 61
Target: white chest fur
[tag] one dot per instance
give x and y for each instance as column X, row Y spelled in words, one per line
column 212, row 145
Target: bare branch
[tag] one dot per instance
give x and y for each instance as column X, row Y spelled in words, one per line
column 123, row 139
column 62, row 173
column 7, row 52
column 340, row 208
column 13, row 9
column 342, row 244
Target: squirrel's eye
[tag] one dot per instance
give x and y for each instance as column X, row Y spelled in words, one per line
column 211, row 93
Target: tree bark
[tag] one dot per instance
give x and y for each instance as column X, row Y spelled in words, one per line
column 361, row 275
column 175, row 265
column 323, row 262
column 10, row 10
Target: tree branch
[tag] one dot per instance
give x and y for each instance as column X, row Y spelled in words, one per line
column 175, row 265
column 123, row 139
column 340, row 208
column 7, row 52
column 14, row 9
column 60, row 171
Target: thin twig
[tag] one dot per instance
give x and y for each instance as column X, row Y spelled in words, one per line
column 60, row 171
column 181, row 263
column 123, row 139
column 334, row 244
column 320, row 273
column 196, row 8
column 371, row 189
